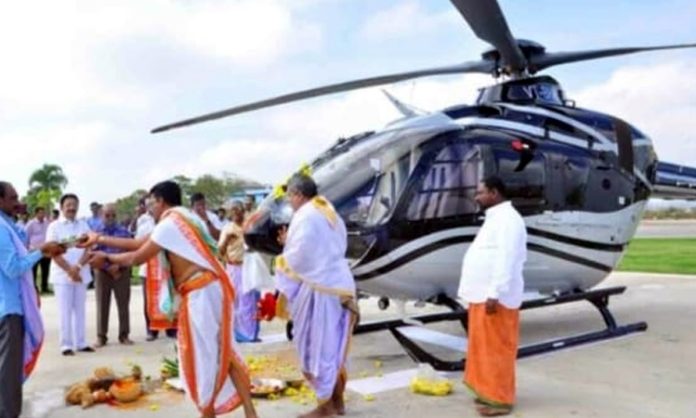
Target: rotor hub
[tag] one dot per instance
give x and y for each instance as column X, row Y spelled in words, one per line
column 530, row 50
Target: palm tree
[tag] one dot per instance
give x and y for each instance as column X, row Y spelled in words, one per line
column 45, row 187
column 49, row 177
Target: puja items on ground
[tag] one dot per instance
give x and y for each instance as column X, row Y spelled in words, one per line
column 428, row 382
column 105, row 386
column 266, row 307
column 277, row 376
column 264, row 388
column 169, row 368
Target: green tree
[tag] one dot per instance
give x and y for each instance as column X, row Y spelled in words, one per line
column 45, row 198
column 186, row 184
column 46, row 184
column 125, row 206
column 213, row 188
column 216, row 189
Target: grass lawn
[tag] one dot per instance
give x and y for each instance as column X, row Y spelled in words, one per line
column 661, row 255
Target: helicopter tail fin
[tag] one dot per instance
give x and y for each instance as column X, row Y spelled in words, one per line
column 673, row 181
column 404, row 108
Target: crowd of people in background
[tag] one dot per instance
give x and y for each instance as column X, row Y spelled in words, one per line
column 69, row 277
column 198, row 255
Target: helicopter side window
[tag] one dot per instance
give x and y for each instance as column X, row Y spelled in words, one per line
column 387, row 189
column 356, row 208
column 448, row 187
column 526, row 187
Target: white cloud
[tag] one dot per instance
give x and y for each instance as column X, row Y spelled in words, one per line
column 58, row 106
column 660, row 100
column 49, row 47
column 404, row 18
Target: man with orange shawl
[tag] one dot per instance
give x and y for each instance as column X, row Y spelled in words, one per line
column 492, row 284
column 194, row 285
column 314, row 276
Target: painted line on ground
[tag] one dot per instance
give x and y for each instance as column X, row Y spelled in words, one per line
column 402, row 378
column 436, row 338
column 270, row 339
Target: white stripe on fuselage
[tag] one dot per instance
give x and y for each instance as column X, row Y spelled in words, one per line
column 533, row 130
column 415, row 245
column 565, row 119
column 610, row 228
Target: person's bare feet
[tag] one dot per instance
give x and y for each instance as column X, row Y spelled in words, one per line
column 324, row 410
column 339, row 404
column 492, row 411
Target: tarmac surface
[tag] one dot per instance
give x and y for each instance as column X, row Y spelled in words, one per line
column 649, row 374
column 667, row 229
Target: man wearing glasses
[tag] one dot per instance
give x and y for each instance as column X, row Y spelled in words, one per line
column 112, row 278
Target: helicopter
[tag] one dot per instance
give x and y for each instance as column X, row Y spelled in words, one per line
column 580, row 178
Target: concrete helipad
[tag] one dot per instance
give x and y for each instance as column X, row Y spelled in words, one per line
column 651, row 374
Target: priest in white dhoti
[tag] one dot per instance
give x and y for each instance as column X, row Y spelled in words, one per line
column 314, row 276
column 492, row 285
column 194, row 286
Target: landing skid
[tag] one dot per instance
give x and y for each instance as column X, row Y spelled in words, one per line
column 598, row 298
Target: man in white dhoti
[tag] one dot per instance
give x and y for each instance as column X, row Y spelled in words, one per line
column 182, row 255
column 314, row 276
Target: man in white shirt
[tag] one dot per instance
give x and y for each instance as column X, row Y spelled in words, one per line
column 70, row 277
column 492, row 284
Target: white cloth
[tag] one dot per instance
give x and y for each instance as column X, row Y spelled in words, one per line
column 204, row 325
column 255, row 273
column 214, row 219
column 71, row 304
column 492, row 266
column 316, row 250
column 168, row 236
column 63, row 229
column 144, row 226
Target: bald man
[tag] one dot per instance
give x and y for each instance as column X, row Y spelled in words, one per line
column 112, row 278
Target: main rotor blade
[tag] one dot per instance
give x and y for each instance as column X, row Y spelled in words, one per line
column 468, row 67
column 550, row 59
column 488, row 23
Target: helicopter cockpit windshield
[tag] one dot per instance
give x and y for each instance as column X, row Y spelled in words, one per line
column 542, row 92
column 375, row 200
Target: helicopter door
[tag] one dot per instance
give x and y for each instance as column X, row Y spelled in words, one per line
column 445, row 184
column 566, row 181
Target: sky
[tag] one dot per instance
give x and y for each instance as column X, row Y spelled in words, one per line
column 82, row 82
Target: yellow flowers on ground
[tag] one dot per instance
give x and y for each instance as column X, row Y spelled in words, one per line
column 422, row 386
column 369, row 398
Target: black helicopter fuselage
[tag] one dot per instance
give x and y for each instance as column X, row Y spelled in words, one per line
column 580, row 179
